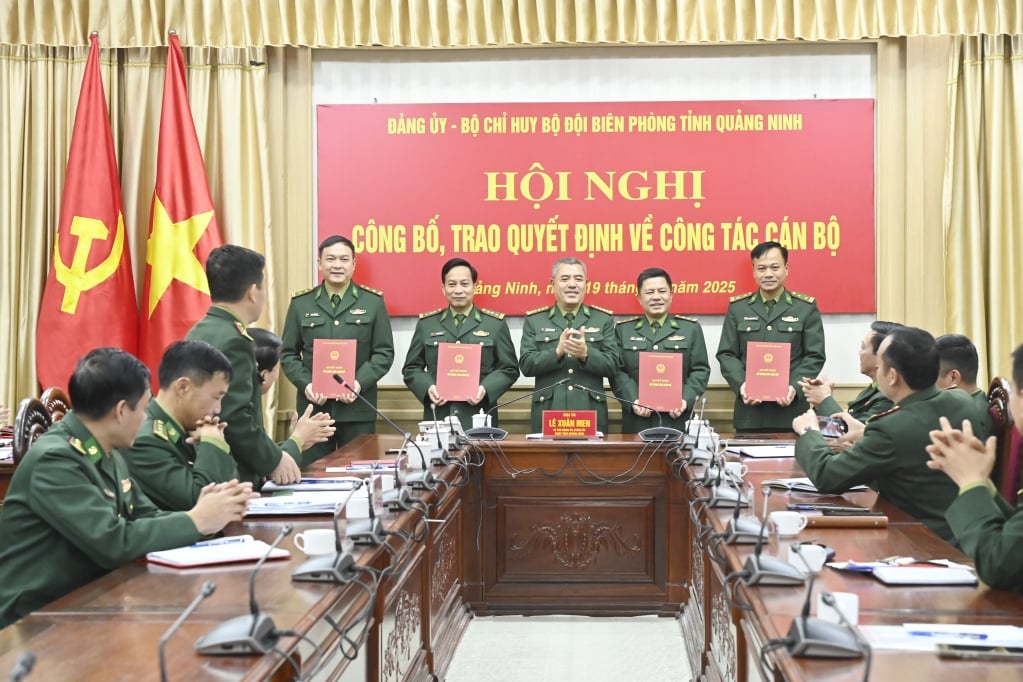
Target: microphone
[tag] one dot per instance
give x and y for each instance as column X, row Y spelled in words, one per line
column 206, row 590
column 743, row 531
column 22, row 666
column 769, row 570
column 330, row 568
column 397, row 498
column 367, row 531
column 829, row 600
column 421, row 480
column 655, row 434
column 438, row 461
column 253, row 633
column 815, row 637
column 494, row 433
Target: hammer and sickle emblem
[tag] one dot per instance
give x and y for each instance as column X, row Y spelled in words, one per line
column 77, row 278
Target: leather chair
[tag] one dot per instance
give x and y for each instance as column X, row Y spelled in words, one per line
column 30, row 422
column 56, row 402
column 1009, row 455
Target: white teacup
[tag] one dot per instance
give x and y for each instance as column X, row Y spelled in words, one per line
column 315, row 541
column 807, row 557
column 846, row 602
column 787, row 523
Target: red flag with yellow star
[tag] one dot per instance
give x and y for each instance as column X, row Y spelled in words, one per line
column 183, row 227
column 89, row 297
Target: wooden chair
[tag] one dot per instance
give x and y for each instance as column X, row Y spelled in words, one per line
column 30, row 422
column 56, row 403
column 1009, row 457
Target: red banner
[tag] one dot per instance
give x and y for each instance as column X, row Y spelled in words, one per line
column 687, row 186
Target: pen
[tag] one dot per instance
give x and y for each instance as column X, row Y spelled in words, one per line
column 222, row 541
column 953, row 635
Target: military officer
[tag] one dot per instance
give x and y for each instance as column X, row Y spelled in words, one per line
column 235, row 276
column 461, row 322
column 338, row 309
column 959, row 367
column 569, row 340
column 891, row 454
column 657, row 330
column 74, row 512
column 181, row 447
column 772, row 313
column 986, row 527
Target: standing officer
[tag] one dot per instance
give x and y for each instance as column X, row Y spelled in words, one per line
column 461, row 322
column 569, row 340
column 338, row 309
column 659, row 331
column 772, row 313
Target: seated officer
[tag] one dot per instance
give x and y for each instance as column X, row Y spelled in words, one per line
column 989, row 530
column 959, row 367
column 73, row 511
column 892, row 450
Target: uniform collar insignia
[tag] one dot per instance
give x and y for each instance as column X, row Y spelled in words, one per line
column 674, row 324
column 789, row 318
column 76, row 444
column 480, row 332
column 126, row 485
column 358, row 311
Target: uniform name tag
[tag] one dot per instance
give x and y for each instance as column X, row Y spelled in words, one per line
column 789, row 318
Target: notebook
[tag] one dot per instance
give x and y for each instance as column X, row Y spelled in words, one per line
column 924, row 575
column 803, row 485
column 229, row 550
column 761, row 451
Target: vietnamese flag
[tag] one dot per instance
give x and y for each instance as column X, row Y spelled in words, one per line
column 89, row 297
column 183, row 227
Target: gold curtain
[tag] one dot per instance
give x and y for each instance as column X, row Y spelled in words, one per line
column 982, row 202
column 483, row 23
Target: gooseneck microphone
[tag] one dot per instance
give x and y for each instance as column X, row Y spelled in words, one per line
column 330, row 568
column 368, row 531
column 815, row 637
column 253, row 633
column 655, row 434
column 441, row 459
column 22, row 666
column 494, row 433
column 206, row 590
column 421, row 480
column 769, row 570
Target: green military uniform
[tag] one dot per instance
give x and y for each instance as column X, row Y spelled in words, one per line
column 171, row 471
column 361, row 315
column 892, row 454
column 984, row 426
column 499, row 368
column 72, row 514
column 678, row 334
column 869, row 402
column 255, row 452
column 541, row 331
column 794, row 319
column 990, row 532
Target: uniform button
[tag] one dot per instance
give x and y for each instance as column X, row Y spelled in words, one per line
column 546, row 338
column 571, row 371
column 633, row 348
column 571, row 387
column 769, row 327
column 337, row 322
column 747, row 328
column 655, row 346
column 541, row 399
column 790, row 328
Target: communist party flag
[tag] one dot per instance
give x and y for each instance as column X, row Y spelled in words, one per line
column 183, row 227
column 89, row 297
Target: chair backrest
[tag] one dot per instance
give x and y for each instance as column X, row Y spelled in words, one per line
column 56, row 402
column 1006, row 474
column 31, row 421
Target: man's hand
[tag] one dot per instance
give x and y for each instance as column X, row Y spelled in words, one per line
column 313, row 397
column 219, row 504
column 745, row 398
column 572, row 343
column 311, row 429
column 807, row 420
column 641, row 411
column 789, row 397
column 481, row 393
column 854, row 429
column 287, row 471
column 678, row 412
column 960, row 454
column 434, row 396
column 349, row 399
column 816, row 390
column 207, row 427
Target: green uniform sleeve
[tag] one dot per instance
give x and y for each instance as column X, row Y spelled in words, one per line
column 623, row 384
column 166, row 477
column 292, row 350
column 828, row 407
column 991, row 533
column 812, row 362
column 417, row 376
column 834, row 473
column 251, row 447
column 733, row 369
column 602, row 358
column 534, row 360
column 382, row 355
column 506, row 371
column 698, row 371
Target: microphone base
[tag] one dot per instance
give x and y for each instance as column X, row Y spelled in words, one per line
column 246, row 635
column 419, row 480
column 486, row 433
column 744, row 531
column 326, row 568
column 726, row 496
column 397, row 500
column 660, row 434
column 816, row 638
column 366, row 532
column 766, row 570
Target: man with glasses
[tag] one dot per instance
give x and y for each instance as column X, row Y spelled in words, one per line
column 771, row 313
column 338, row 308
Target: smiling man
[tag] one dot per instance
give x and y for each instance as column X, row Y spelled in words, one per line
column 569, row 340
column 338, row 308
column 460, row 322
column 771, row 313
column 657, row 330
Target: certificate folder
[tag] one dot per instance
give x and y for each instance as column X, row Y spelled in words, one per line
column 767, row 370
column 660, row 381
column 458, row 370
column 330, row 357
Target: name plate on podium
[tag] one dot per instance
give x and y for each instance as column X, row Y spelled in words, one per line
column 570, row 423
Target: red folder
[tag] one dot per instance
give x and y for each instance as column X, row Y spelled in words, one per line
column 458, row 370
column 767, row 370
column 330, row 357
column 660, row 381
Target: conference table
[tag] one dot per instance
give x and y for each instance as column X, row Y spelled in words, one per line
column 610, row 527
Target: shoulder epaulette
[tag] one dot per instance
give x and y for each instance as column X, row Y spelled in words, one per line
column 431, row 313
column 686, row 318
column 881, row 414
column 241, row 330
column 302, row 292
column 372, row 290
column 603, row 310
column 538, row 310
column 492, row 313
column 739, row 297
column 802, row 297
column 77, row 445
column 160, row 429
column 628, row 320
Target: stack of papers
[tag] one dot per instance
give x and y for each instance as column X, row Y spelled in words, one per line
column 803, row 485
column 908, row 571
column 762, row 451
column 926, row 636
column 227, row 550
column 303, row 502
column 337, row 483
